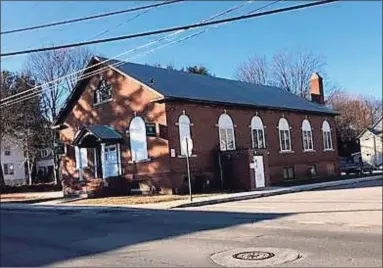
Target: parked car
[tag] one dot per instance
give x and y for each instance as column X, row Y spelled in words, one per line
column 347, row 165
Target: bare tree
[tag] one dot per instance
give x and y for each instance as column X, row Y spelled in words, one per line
column 21, row 122
column 356, row 112
column 289, row 70
column 256, row 70
column 47, row 68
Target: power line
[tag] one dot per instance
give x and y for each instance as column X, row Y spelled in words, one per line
column 200, row 32
column 89, row 17
column 172, row 29
column 38, row 90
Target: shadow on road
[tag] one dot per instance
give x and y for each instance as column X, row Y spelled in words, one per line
column 46, row 238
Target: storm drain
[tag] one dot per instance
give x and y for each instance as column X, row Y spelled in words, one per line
column 255, row 257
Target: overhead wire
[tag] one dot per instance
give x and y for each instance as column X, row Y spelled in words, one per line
column 224, row 12
column 172, row 29
column 103, row 15
column 195, row 34
column 200, row 32
column 148, row 9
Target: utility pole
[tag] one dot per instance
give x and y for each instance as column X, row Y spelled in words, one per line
column 186, row 149
column 28, row 160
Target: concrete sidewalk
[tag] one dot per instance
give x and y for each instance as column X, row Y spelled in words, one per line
column 202, row 201
column 271, row 192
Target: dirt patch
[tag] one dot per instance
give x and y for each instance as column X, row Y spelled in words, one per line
column 135, row 200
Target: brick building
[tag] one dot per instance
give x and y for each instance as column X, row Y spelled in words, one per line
column 124, row 124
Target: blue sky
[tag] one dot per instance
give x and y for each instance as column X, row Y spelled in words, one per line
column 348, row 34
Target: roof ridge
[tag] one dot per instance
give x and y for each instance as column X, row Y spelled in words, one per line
column 190, row 73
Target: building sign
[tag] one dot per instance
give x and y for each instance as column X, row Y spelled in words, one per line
column 60, row 149
column 151, row 129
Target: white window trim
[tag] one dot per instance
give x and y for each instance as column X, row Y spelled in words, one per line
column 118, row 152
column 310, row 130
column 331, row 147
column 97, row 92
column 8, row 164
column 226, row 129
column 102, row 102
column 179, row 131
column 140, row 161
column 146, row 143
column 280, row 137
column 262, row 128
column 184, row 156
column 79, row 164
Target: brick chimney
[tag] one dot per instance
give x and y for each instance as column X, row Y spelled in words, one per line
column 316, row 89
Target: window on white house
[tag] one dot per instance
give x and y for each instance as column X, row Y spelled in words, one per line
column 184, row 129
column 327, row 140
column 9, row 169
column 226, row 133
column 307, row 136
column 138, row 142
column 284, row 135
column 45, row 153
column 7, row 150
column 83, row 154
column 103, row 93
column 257, row 133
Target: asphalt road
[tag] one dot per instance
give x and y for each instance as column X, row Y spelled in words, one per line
column 155, row 238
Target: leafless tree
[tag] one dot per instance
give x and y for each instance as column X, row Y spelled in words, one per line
column 22, row 122
column 47, row 68
column 357, row 112
column 289, row 70
column 256, row 70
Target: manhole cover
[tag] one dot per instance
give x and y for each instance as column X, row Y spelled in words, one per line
column 253, row 255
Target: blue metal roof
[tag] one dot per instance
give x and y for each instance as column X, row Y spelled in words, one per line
column 183, row 85
column 104, row 132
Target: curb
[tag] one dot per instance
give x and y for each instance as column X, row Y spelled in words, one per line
column 65, row 209
column 293, row 189
column 105, row 209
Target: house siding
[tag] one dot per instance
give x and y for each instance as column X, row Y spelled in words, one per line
column 17, row 159
column 370, row 154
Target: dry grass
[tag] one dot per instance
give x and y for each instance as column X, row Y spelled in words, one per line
column 18, row 197
column 135, row 199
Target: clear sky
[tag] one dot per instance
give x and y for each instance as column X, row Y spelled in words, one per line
column 348, row 34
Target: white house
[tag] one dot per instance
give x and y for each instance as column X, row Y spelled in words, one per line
column 371, row 144
column 13, row 162
column 45, row 163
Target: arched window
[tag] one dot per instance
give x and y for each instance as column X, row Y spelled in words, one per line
column 257, row 133
column 103, row 93
column 327, row 140
column 184, row 129
column 138, row 145
column 284, row 135
column 307, row 136
column 226, row 133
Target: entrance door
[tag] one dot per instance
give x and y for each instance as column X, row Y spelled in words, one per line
column 259, row 171
column 111, row 161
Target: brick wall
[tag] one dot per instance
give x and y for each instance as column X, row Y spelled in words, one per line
column 131, row 97
column 128, row 97
column 206, row 140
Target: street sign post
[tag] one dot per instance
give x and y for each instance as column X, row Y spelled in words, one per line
column 186, row 149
